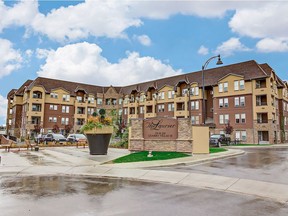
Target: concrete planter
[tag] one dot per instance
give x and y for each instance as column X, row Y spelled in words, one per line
column 99, row 139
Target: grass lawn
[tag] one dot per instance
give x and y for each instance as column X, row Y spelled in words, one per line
column 142, row 156
column 216, row 150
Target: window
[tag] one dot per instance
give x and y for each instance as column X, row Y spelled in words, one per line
column 141, row 109
column 91, row 100
column 90, row 111
column 236, row 102
column 242, row 101
column 120, row 112
column 66, row 97
column 65, row 109
column 195, row 119
column 53, row 95
column 142, row 98
column 171, row 107
column 284, row 106
column 37, row 94
column 223, row 102
column 242, row 84
column 240, row 118
column 79, row 99
column 64, row 121
column 220, row 87
column 223, row 119
column 261, row 84
column 171, row 94
column 194, row 105
column 53, row 107
column 99, row 101
column 108, row 101
column 36, row 107
column 236, row 85
column 194, row 91
column 52, row 119
column 125, row 111
column 262, row 118
column 243, row 118
column 160, row 107
column 161, row 95
column 225, row 87
column 261, row 100
column 240, row 135
column 184, row 91
column 239, row 85
column 120, row 101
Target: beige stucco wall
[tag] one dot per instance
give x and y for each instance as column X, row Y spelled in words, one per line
column 200, row 136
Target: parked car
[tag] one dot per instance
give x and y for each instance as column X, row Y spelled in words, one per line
column 76, row 138
column 39, row 138
column 219, row 139
column 53, row 137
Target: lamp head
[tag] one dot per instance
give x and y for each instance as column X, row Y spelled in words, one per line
column 219, row 62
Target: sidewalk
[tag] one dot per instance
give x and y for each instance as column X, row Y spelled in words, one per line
column 73, row 161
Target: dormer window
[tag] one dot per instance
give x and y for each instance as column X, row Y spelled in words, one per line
column 53, row 95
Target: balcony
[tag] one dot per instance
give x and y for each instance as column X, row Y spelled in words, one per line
column 149, row 115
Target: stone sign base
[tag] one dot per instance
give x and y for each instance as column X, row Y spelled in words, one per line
column 183, row 142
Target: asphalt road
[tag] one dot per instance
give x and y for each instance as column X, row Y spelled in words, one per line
column 83, row 196
column 270, row 165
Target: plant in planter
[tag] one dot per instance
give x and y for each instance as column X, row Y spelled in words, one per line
column 98, row 130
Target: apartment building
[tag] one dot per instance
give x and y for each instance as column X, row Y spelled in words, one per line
column 247, row 95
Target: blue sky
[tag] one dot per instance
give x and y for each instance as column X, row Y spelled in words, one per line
column 122, row 42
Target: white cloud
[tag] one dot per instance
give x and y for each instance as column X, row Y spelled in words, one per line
column 272, row 45
column 269, row 19
column 10, row 59
column 231, row 46
column 203, row 50
column 3, row 108
column 42, row 53
column 83, row 62
column 21, row 14
column 143, row 39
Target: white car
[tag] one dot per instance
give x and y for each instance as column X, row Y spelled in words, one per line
column 76, row 138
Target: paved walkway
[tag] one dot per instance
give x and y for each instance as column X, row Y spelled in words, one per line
column 77, row 161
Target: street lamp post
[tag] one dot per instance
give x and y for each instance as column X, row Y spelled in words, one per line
column 219, row 62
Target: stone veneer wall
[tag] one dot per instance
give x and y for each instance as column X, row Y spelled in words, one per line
column 182, row 144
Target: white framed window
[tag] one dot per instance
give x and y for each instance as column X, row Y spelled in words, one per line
column 171, row 107
column 242, row 84
column 236, row 85
column 226, row 102
column 52, row 119
column 64, row 121
column 65, row 109
column 91, row 100
column 142, row 98
column 120, row 112
column 242, row 101
column 141, row 109
column 90, row 111
column 194, row 91
column 243, row 118
column 194, row 105
column 237, row 118
column 161, row 108
column 53, row 95
column 220, row 86
column 171, row 94
column 99, row 101
column 125, row 111
column 195, row 119
column 225, row 87
column 241, row 135
column 223, row 119
column 53, row 107
column 236, row 101
column 184, row 91
column 221, row 102
column 161, row 95
column 66, row 97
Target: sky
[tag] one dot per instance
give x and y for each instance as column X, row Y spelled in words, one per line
column 122, row 42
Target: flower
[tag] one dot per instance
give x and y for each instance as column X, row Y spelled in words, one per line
column 96, row 121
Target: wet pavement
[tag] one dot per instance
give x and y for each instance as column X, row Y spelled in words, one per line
column 85, row 196
column 69, row 181
column 269, row 165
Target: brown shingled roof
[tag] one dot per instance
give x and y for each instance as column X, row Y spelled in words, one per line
column 25, row 85
column 50, row 84
column 249, row 70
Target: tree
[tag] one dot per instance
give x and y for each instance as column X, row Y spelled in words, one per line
column 67, row 129
column 55, row 129
column 228, row 128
